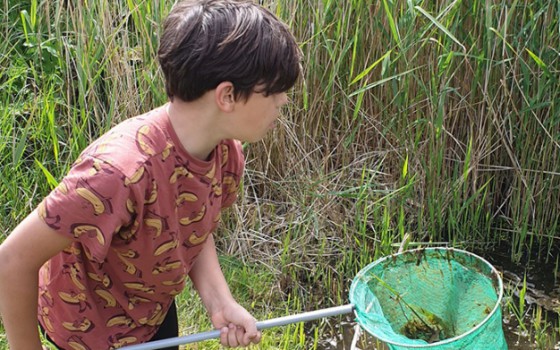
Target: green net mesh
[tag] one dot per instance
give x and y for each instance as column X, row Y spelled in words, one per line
column 438, row 298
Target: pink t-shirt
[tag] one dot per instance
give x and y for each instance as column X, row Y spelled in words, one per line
column 139, row 209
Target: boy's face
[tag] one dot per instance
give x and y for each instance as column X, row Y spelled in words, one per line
column 256, row 116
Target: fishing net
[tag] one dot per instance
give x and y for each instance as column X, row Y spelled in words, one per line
column 438, row 298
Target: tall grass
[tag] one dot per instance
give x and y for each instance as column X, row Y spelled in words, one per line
column 464, row 92
column 416, row 122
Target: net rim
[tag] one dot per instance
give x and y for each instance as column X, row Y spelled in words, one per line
column 493, row 270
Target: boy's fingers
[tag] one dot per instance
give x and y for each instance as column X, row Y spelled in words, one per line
column 252, row 335
column 251, row 327
column 224, row 336
column 241, row 337
column 253, row 338
column 232, row 336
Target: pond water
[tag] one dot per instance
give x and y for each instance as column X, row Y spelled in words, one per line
column 542, row 290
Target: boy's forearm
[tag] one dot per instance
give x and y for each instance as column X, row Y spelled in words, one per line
column 21, row 256
column 18, row 308
column 208, row 278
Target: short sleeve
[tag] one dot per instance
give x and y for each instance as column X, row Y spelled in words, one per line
column 233, row 163
column 89, row 206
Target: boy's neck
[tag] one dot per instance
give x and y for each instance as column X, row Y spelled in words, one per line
column 195, row 123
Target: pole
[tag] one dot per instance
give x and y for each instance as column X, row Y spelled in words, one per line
column 275, row 322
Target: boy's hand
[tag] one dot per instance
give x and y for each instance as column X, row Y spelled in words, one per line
column 237, row 326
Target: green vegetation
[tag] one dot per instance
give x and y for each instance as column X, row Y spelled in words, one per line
column 417, row 123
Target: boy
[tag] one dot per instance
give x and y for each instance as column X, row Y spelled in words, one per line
column 113, row 243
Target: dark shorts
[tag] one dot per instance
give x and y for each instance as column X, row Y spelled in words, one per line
column 168, row 329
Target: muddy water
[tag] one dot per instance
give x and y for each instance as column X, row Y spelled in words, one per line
column 543, row 290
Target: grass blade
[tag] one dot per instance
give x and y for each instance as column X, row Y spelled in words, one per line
column 440, row 26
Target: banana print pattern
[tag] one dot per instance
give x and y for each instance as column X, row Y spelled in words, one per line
column 138, row 208
column 89, row 230
column 50, row 220
column 143, row 140
column 99, row 203
column 79, row 299
column 82, row 325
column 129, row 232
column 178, row 172
column 196, row 240
column 153, row 194
column 120, row 321
column 136, row 176
column 119, row 340
column 134, row 300
column 107, row 297
column 186, row 197
column 104, row 280
column 196, row 217
column 166, row 246
column 73, row 270
column 76, row 343
column 128, row 266
column 165, row 266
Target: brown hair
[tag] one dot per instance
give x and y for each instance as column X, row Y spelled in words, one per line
column 206, row 42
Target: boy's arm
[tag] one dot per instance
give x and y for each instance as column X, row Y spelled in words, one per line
column 21, row 255
column 238, row 327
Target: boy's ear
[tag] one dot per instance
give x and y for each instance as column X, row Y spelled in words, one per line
column 225, row 97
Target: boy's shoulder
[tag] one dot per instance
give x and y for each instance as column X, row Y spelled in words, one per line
column 133, row 142
column 150, row 140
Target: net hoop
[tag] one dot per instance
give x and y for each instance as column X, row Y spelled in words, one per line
column 494, row 273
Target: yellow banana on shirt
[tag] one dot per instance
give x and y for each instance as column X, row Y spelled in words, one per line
column 134, row 178
column 91, row 230
column 154, row 223
column 95, row 201
column 143, row 141
column 82, row 325
column 153, row 193
column 121, row 320
column 106, row 296
column 199, row 216
column 166, row 246
column 179, row 171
